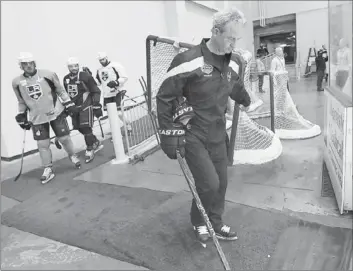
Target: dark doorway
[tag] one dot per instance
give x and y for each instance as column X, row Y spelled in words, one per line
column 286, row 40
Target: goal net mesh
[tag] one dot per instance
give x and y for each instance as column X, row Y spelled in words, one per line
column 289, row 123
column 254, row 144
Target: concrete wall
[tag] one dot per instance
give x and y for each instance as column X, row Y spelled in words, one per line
column 53, row 31
column 279, row 8
column 247, row 41
column 72, row 28
column 312, row 31
column 195, row 22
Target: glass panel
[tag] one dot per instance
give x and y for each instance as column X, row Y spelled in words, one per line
column 340, row 47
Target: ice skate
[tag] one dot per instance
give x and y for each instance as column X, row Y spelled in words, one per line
column 76, row 161
column 47, row 176
column 90, row 154
column 225, row 233
column 201, row 234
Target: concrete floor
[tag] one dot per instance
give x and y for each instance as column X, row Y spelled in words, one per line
column 25, row 251
column 290, row 184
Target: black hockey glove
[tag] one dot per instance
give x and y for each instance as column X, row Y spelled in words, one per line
column 97, row 110
column 86, row 69
column 71, row 108
column 183, row 113
column 172, row 140
column 113, row 84
column 22, row 120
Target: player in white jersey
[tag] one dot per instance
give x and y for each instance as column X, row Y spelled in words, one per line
column 112, row 78
column 278, row 63
column 37, row 92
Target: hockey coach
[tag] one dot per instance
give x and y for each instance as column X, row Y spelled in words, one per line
column 191, row 105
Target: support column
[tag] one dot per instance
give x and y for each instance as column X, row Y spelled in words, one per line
column 114, row 120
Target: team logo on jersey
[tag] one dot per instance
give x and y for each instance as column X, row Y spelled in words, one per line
column 35, row 91
column 72, row 90
column 105, row 76
column 207, row 69
column 229, row 76
column 67, row 80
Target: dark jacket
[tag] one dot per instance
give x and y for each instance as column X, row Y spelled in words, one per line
column 195, row 75
column 321, row 63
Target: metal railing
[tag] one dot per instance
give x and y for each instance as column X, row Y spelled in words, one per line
column 139, row 124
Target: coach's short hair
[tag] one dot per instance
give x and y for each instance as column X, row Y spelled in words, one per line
column 221, row 18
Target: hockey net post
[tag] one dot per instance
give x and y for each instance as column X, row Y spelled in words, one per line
column 159, row 70
column 272, row 98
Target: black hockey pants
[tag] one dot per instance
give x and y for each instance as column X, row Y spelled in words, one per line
column 90, row 138
column 208, row 165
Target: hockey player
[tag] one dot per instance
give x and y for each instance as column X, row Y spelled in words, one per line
column 261, row 68
column 112, row 78
column 206, row 75
column 84, row 92
column 278, row 62
column 37, row 92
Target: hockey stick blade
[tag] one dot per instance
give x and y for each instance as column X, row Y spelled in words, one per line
column 22, row 156
column 190, row 180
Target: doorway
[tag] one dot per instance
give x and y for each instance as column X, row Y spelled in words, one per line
column 285, row 40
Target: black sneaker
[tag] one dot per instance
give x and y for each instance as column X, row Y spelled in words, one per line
column 201, row 233
column 225, row 233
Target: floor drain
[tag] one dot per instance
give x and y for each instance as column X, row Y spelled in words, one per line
column 326, row 188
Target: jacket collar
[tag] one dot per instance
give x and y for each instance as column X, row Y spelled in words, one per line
column 30, row 76
column 207, row 54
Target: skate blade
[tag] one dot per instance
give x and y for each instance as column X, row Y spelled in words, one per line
column 88, row 160
column 48, row 180
column 204, row 245
column 100, row 147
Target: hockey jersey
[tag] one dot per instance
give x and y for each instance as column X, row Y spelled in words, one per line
column 82, row 88
column 112, row 72
column 39, row 95
column 278, row 64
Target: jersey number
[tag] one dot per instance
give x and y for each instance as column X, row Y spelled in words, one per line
column 35, row 91
column 72, row 90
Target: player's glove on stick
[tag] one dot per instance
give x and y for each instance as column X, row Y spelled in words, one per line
column 113, row 84
column 22, row 120
column 172, row 140
column 97, row 110
column 86, row 69
column 71, row 108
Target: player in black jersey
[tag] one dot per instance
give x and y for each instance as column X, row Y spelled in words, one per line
column 84, row 92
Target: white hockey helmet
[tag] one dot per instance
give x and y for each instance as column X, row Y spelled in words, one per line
column 102, row 55
column 73, row 61
column 25, row 57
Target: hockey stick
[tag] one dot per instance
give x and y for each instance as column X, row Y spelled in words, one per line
column 22, row 156
column 191, row 183
column 100, row 126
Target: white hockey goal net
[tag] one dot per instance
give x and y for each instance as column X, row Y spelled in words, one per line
column 288, row 122
column 254, row 144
